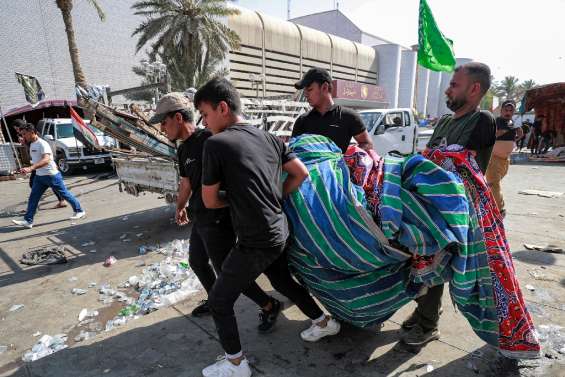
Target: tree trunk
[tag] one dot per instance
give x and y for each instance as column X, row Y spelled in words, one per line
column 66, row 6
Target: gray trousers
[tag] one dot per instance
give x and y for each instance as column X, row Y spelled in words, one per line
column 429, row 306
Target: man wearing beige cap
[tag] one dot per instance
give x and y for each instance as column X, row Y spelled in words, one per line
column 212, row 236
column 506, row 136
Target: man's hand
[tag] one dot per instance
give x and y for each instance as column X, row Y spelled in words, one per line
column 181, row 217
column 25, row 170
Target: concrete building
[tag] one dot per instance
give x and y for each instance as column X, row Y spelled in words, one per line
column 274, row 54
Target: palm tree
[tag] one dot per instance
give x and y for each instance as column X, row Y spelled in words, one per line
column 507, row 88
column 66, row 6
column 186, row 34
column 527, row 85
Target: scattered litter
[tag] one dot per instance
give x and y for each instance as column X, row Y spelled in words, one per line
column 142, row 250
column 543, row 194
column 16, row 307
column 126, row 240
column 73, row 223
column 110, row 261
column 78, row 291
column 546, row 249
column 125, row 218
column 136, row 227
column 89, row 243
column 3, row 349
column 85, row 313
column 552, row 337
column 530, row 287
column 123, row 236
column 140, row 264
column 84, row 335
column 44, row 255
column 538, row 274
column 37, row 334
column 139, row 235
column 92, row 251
column 72, row 279
column 46, row 346
column 91, row 284
column 82, row 314
column 133, row 280
column 429, row 368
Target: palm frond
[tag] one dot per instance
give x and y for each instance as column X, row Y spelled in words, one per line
column 99, row 9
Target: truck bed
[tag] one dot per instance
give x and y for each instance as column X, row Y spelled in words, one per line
column 148, row 174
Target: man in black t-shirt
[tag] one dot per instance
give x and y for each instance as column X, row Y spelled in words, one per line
column 212, row 236
column 326, row 118
column 247, row 163
column 475, row 131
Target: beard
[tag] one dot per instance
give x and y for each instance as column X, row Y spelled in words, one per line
column 455, row 103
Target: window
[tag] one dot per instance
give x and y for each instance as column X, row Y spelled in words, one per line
column 371, row 120
column 65, row 130
column 50, row 129
column 406, row 118
column 393, row 119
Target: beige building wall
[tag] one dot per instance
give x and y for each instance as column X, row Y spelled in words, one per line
column 275, row 53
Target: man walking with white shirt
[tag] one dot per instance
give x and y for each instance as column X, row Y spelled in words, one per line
column 47, row 176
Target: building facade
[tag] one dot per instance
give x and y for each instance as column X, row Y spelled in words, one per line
column 274, row 54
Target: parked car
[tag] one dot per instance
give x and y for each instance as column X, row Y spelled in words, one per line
column 70, row 153
column 392, row 130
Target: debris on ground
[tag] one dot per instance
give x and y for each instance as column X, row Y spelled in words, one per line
column 37, row 334
column 538, row 274
column 541, row 193
column 78, row 291
column 110, row 261
column 16, row 307
column 3, row 349
column 89, row 243
column 44, row 255
column 530, row 287
column 46, row 346
column 92, row 251
column 546, row 249
column 72, row 279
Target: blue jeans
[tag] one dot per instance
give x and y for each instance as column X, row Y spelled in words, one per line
column 42, row 183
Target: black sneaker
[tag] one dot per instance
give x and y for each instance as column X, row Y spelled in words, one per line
column 269, row 318
column 411, row 321
column 202, row 309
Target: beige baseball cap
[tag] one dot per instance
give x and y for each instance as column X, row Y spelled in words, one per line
column 168, row 103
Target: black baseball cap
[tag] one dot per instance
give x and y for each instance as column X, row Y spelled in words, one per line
column 315, row 74
column 509, row 102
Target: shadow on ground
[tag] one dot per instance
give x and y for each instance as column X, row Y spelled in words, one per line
column 106, row 235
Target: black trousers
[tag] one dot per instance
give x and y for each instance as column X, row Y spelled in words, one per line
column 213, row 242
column 240, row 269
column 31, row 178
column 429, row 306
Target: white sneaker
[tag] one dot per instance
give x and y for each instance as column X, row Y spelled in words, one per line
column 224, row 368
column 315, row 332
column 23, row 223
column 78, row 215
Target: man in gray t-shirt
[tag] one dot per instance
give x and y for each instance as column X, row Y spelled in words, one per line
column 47, row 176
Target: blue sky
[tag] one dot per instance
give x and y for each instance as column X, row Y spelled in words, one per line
column 514, row 37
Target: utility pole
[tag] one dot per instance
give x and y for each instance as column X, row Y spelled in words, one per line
column 288, row 9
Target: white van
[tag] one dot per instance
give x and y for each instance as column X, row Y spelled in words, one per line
column 392, row 130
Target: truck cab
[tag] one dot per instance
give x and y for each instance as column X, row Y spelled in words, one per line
column 392, row 130
column 70, row 153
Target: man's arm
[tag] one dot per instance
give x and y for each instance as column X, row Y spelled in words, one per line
column 297, row 173
column 184, row 193
column 364, row 140
column 211, row 196
column 45, row 158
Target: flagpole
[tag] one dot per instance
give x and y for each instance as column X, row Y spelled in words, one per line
column 11, row 140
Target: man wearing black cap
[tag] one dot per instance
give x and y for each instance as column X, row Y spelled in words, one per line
column 326, row 118
column 506, row 136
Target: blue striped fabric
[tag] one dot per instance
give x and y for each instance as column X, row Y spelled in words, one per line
column 338, row 254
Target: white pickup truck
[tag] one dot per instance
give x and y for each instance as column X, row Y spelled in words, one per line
column 392, row 130
column 69, row 152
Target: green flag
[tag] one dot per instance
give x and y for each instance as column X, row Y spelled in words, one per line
column 435, row 51
column 32, row 89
